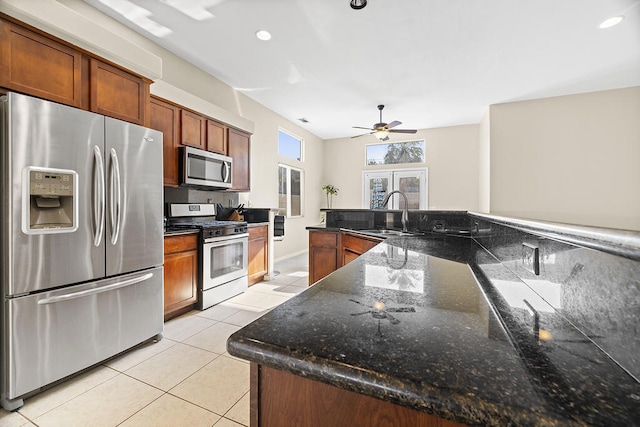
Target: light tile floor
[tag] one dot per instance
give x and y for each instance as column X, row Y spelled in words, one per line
column 186, row 379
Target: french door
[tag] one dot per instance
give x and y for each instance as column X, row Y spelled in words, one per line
column 412, row 182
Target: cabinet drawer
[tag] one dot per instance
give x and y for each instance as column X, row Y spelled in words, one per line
column 258, row 232
column 181, row 243
column 323, row 238
column 358, row 245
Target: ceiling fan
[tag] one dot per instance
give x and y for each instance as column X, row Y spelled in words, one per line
column 382, row 130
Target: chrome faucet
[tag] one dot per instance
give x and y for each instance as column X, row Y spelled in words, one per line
column 405, row 211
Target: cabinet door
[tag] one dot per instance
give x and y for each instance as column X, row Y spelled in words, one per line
column 216, row 137
column 354, row 246
column 38, row 66
column 116, row 93
column 165, row 118
column 192, row 129
column 324, row 254
column 180, row 274
column 258, row 253
column 239, row 146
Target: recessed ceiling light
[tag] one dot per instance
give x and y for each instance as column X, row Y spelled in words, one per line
column 611, row 22
column 263, row 35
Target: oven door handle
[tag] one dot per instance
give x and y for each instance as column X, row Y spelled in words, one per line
column 225, row 238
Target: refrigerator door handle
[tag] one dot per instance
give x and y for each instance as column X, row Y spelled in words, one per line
column 98, row 197
column 115, row 199
column 88, row 292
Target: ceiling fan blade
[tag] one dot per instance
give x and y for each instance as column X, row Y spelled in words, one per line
column 362, row 134
column 402, row 310
column 393, row 124
column 403, row 130
column 359, row 314
column 360, row 127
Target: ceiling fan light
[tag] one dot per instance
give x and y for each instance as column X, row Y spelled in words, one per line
column 381, row 134
column 358, row 4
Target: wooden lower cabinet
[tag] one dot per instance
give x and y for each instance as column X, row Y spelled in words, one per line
column 324, row 254
column 180, row 274
column 258, row 253
column 330, row 250
column 355, row 245
column 278, row 398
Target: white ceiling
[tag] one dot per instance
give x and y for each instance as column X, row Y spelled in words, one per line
column 433, row 63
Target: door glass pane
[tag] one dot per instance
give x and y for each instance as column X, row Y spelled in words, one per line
column 378, row 189
column 282, row 188
column 226, row 259
column 296, row 200
column 410, row 186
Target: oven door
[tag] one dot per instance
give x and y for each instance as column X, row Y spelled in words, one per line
column 224, row 259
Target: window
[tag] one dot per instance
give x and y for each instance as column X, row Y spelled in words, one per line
column 289, row 145
column 290, row 185
column 396, row 153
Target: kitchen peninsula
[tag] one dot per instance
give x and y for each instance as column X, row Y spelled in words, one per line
column 441, row 329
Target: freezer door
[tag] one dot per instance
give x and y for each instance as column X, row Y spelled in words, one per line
column 54, row 334
column 134, row 201
column 43, row 134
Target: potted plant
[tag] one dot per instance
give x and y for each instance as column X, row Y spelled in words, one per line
column 331, row 191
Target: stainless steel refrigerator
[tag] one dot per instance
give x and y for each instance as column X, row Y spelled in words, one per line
column 82, row 241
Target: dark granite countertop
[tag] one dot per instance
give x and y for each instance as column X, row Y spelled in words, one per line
column 416, row 321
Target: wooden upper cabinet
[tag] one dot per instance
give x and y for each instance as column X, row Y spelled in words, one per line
column 165, row 117
column 193, row 129
column 216, row 137
column 116, row 93
column 35, row 65
column 239, row 150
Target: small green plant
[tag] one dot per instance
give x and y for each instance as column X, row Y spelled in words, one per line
column 331, row 191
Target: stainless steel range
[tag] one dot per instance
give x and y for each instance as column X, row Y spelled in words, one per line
column 223, row 251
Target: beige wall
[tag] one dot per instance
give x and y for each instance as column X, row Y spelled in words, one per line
column 451, row 156
column 572, row 159
column 264, row 149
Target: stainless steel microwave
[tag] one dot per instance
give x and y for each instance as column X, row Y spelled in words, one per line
column 199, row 168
